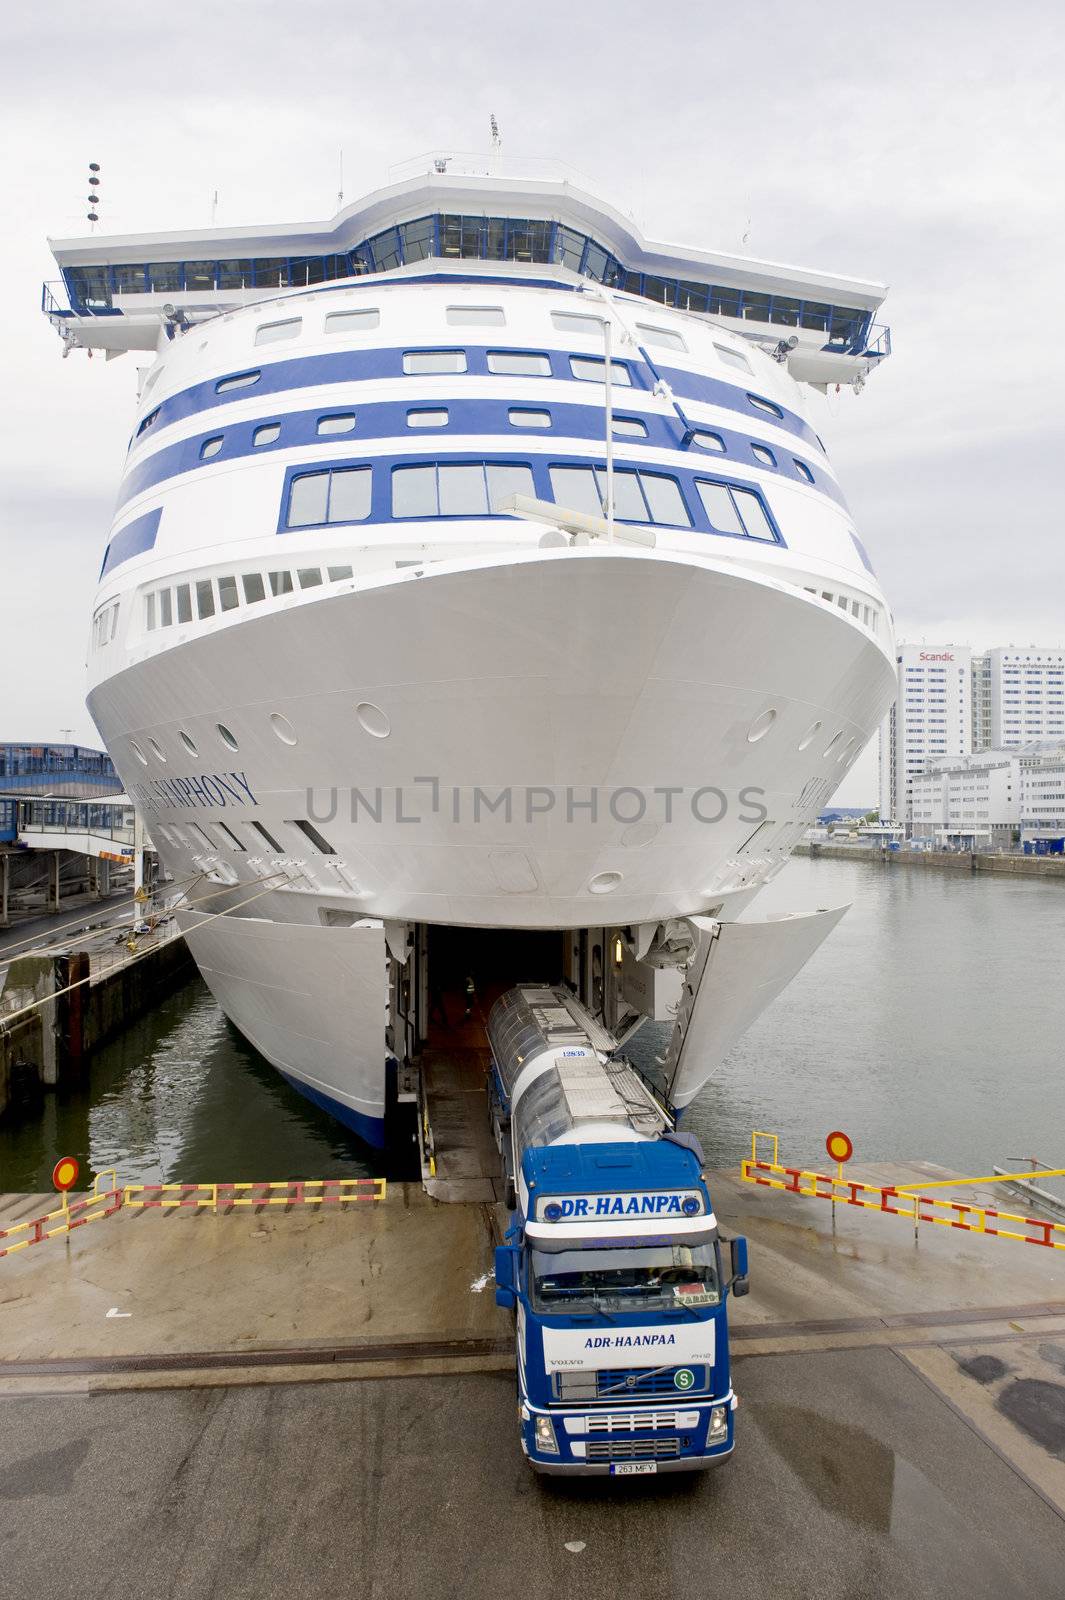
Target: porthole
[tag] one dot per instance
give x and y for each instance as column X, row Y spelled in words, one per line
column 810, row 735
column 157, row 749
column 847, row 749
column 138, row 752
column 761, row 726
column 283, row 728
column 833, row 742
column 226, row 737
column 604, row 882
column 189, row 746
column 373, row 720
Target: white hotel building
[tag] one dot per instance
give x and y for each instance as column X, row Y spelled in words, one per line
column 930, row 722
column 1018, row 696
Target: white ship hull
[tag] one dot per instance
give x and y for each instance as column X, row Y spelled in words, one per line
column 555, row 740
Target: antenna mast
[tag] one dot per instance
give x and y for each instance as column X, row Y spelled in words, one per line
column 94, row 198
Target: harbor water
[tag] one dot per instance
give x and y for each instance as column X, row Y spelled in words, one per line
column 927, row 1026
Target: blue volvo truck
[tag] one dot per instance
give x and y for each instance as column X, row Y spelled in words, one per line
column 613, row 1262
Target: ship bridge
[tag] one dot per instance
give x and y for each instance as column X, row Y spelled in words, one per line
column 134, row 291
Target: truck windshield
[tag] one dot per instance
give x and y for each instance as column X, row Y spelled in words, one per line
column 652, row 1278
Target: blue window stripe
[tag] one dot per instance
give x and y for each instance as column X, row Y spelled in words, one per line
column 387, row 419
column 354, row 366
column 132, row 540
column 540, row 466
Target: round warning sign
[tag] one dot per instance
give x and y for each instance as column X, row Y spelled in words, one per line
column 65, row 1173
column 684, row 1378
column 839, row 1146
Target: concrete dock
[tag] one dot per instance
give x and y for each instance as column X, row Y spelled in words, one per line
column 290, row 1403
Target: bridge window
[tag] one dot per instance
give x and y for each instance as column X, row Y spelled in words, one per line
column 129, row 280
column 815, row 315
column 733, row 358
column 275, row 332
column 767, row 406
column 520, row 363
column 418, row 239
column 239, row 380
column 762, row 453
column 149, row 612
column 361, row 321
column 270, row 273
column 339, row 422
column 522, row 418
column 166, row 277
column 592, row 369
column 183, row 597
column 310, row 577
column 734, row 510
column 663, row 336
column 166, row 609
column 235, row 275
column 280, row 583
column 228, row 599
column 723, row 302
column 338, row 574
column 269, row 433
column 633, row 427
column 476, row 316
column 427, row 419
column 419, row 361
column 454, row 489
column 204, row 599
column 153, row 416
column 254, row 588
column 199, row 276
column 340, row 495
column 569, row 248
column 803, row 470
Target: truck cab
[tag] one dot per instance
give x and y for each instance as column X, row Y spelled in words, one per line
column 613, row 1261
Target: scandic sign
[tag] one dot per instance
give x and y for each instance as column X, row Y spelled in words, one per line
column 583, row 1207
column 936, row 655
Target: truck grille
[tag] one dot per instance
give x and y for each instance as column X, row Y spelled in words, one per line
column 632, row 1421
column 632, row 1449
column 620, row 1384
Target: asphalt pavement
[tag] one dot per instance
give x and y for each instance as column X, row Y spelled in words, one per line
column 853, row 1479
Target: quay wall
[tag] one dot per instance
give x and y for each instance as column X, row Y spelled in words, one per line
column 52, row 1047
column 952, row 860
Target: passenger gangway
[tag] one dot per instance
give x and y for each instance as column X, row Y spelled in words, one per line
column 101, row 828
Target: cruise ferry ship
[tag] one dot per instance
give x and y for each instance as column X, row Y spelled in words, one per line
column 480, row 606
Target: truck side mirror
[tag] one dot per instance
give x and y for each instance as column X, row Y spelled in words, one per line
column 740, row 1281
column 506, row 1285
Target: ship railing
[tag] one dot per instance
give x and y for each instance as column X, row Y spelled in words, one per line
column 50, row 304
column 878, row 342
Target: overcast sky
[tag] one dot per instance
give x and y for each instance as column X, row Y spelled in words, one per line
column 916, row 146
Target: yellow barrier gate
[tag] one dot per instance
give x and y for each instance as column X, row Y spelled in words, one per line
column 104, row 1202
column 902, row 1200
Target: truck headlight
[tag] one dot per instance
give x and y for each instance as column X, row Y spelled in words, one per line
column 545, row 1436
column 718, row 1424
